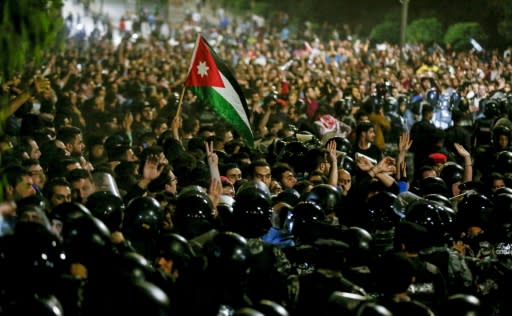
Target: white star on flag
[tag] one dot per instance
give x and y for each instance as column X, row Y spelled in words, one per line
column 202, row 69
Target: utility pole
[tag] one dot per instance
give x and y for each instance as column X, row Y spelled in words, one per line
column 403, row 26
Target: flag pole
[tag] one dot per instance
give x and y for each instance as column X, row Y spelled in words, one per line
column 178, row 111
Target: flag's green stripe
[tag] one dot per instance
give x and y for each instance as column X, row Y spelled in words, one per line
column 224, row 109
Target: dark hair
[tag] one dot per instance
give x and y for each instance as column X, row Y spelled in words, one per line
column 79, row 174
column 279, row 168
column 50, row 185
column 427, row 108
column 67, row 134
column 257, row 163
column 15, row 173
column 363, row 127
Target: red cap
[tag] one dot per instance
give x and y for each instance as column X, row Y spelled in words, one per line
column 438, row 158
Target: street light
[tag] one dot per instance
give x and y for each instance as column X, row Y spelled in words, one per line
column 403, row 26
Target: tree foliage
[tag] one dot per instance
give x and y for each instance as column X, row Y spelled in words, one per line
column 460, row 34
column 28, row 28
column 388, row 31
column 427, row 31
column 505, row 26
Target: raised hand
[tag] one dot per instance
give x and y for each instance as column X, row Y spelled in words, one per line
column 212, row 157
column 331, row 149
column 364, row 164
column 152, row 169
column 404, row 143
column 461, row 151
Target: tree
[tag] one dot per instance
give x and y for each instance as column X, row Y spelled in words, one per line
column 460, row 34
column 386, row 32
column 425, row 31
column 505, row 26
column 28, row 27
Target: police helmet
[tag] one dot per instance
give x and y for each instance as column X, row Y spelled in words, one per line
column 381, row 212
column 294, row 153
column 194, row 213
column 328, row 197
column 143, row 217
column 252, row 210
column 107, row 207
column 474, row 210
column 433, row 185
column 227, row 255
column 451, row 173
column 432, row 97
column 177, row 248
column 491, row 108
column 504, row 162
column 499, row 131
column 437, row 219
column 342, row 144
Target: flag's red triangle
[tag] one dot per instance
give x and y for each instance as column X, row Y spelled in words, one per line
column 203, row 69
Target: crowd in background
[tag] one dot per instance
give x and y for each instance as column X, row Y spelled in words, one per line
column 377, row 171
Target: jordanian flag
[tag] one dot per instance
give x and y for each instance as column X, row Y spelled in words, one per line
column 212, row 82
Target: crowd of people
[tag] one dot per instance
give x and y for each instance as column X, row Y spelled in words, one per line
column 378, row 184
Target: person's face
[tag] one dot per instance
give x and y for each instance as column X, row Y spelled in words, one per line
column 234, row 175
column 82, row 189
column 165, row 265
column 262, row 173
column 288, row 180
column 38, row 176
column 61, row 194
column 497, row 183
column 344, row 181
column 147, row 114
column 77, row 145
column 35, row 153
column 228, row 137
column 370, row 135
column 428, row 173
column 172, row 186
column 228, row 190
column 503, row 141
column 161, row 129
column 24, row 188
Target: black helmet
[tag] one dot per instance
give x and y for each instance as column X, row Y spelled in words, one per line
column 271, row 308
column 86, row 239
column 504, row 162
column 437, row 219
column 342, row 144
column 432, row 97
column 348, row 163
column 132, row 266
column 391, row 105
column 433, row 185
column 343, row 107
column 344, row 303
column 438, row 198
column 294, row 154
column 381, row 211
column 491, row 108
column 252, row 210
column 474, row 210
column 498, row 131
column 328, row 197
column 31, row 258
column 177, row 248
column 360, row 242
column 305, row 218
column 194, row 212
column 451, row 173
column 40, row 305
column 108, row 207
column 228, row 255
column 289, row 196
column 461, row 305
column 143, row 217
